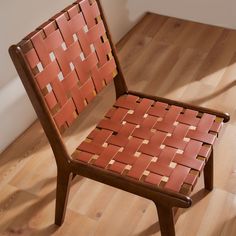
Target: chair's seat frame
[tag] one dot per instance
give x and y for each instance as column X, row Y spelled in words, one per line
column 67, row 167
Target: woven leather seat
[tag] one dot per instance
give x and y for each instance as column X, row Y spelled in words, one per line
column 150, row 146
column 152, row 142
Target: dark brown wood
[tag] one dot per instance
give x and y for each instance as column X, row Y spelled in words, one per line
column 177, row 212
column 225, row 116
column 166, row 220
column 209, row 173
column 62, row 192
column 119, row 81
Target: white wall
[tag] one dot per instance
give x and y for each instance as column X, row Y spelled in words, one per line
column 19, row 17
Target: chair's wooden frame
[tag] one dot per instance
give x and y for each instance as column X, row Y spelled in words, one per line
column 67, row 168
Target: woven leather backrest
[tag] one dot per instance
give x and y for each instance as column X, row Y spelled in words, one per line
column 71, row 60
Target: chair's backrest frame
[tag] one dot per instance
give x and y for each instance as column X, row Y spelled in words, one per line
column 35, row 94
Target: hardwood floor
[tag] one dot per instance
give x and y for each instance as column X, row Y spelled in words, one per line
column 164, row 56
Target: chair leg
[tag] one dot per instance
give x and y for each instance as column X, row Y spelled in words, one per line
column 208, row 173
column 166, row 220
column 62, row 192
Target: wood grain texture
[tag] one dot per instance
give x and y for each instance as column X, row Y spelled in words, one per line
column 163, row 56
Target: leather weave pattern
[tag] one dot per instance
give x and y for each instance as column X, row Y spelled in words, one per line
column 153, row 142
column 71, row 59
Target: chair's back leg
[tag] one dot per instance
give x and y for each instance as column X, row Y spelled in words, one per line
column 63, row 187
column 209, row 173
column 166, row 220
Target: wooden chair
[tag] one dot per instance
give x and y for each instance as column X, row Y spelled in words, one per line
column 149, row 146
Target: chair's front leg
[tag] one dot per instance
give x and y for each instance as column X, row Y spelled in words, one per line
column 209, row 173
column 166, row 220
column 63, row 187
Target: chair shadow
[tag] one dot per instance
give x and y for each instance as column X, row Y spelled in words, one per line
column 225, row 228
column 152, row 229
column 213, row 95
column 26, row 215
